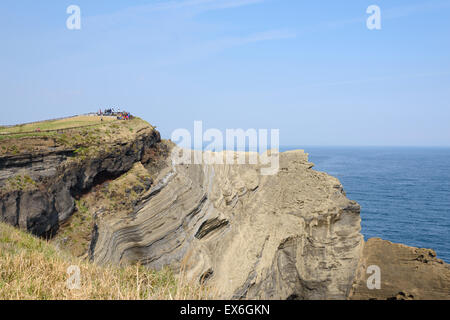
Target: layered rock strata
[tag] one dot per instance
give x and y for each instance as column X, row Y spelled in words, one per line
column 293, row 235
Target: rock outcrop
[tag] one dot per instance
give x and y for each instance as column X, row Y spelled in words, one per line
column 293, row 235
column 405, row 273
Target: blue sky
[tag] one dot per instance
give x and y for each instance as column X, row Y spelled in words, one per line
column 309, row 68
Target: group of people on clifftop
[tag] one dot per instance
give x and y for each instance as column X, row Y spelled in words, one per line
column 121, row 115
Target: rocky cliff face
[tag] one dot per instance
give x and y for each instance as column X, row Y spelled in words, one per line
column 293, row 235
column 38, row 184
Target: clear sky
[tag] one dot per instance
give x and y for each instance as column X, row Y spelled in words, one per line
column 309, row 68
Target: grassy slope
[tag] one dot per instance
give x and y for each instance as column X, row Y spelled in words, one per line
column 76, row 121
column 67, row 127
column 31, row 268
column 91, row 134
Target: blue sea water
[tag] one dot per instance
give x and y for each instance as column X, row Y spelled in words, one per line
column 404, row 193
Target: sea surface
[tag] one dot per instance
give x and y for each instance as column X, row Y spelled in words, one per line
column 404, row 192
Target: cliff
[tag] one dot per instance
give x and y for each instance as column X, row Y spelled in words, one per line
column 292, row 235
column 40, row 175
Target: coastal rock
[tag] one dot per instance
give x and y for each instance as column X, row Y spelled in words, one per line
column 406, row 273
column 293, row 235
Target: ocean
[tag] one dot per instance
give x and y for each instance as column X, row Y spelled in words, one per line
column 404, row 192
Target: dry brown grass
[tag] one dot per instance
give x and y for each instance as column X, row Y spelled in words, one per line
column 31, row 268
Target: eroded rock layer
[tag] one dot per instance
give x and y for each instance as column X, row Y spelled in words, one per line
column 293, row 235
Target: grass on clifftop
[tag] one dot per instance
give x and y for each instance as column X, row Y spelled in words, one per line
column 31, row 268
column 83, row 133
column 72, row 122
